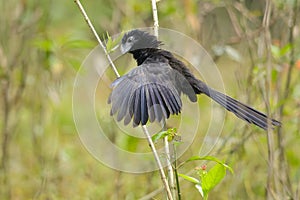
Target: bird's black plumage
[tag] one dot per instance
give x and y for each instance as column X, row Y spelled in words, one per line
column 152, row 90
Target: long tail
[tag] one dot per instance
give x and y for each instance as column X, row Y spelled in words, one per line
column 239, row 109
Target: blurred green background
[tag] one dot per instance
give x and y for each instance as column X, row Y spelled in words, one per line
column 42, row 44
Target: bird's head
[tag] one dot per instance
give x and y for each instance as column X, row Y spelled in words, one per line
column 137, row 39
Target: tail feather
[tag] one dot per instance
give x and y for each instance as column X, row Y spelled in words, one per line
column 242, row 111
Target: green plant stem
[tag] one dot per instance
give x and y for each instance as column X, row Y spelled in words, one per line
column 271, row 182
column 169, row 166
column 160, row 167
column 176, row 174
column 96, row 35
column 163, row 177
column 166, row 143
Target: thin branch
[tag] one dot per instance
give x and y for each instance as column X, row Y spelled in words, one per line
column 96, row 35
column 234, row 21
column 270, row 140
column 152, row 194
column 169, row 166
column 155, row 17
column 292, row 56
column 245, row 12
column 166, row 143
column 168, row 158
column 6, row 189
column 161, row 171
column 176, row 173
column 283, row 164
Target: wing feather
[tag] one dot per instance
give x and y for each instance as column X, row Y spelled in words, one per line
column 137, row 108
column 147, row 92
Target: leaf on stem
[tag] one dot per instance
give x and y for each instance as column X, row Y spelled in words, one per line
column 210, row 158
column 189, row 178
column 171, row 133
column 112, row 43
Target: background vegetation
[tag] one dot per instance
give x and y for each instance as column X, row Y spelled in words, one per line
column 42, row 44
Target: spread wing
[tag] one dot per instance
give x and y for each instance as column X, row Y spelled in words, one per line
column 149, row 91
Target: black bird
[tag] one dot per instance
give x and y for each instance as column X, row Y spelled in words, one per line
column 152, row 90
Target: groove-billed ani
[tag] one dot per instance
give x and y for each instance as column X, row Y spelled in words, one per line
column 152, row 90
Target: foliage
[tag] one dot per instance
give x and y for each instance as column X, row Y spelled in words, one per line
column 207, row 179
column 112, row 44
column 171, row 133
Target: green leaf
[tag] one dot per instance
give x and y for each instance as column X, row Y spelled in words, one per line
column 117, row 40
column 189, row 178
column 210, row 158
column 171, row 133
column 286, row 49
column 111, row 43
column 275, row 51
column 44, row 44
column 274, row 75
column 212, row 178
column 159, row 135
column 278, row 52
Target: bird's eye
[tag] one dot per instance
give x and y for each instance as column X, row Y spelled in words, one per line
column 130, row 39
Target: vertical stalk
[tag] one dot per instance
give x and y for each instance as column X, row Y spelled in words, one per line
column 282, row 162
column 169, row 166
column 176, row 174
column 166, row 142
column 5, row 143
column 161, row 171
column 155, row 17
column 271, row 185
column 88, row 21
